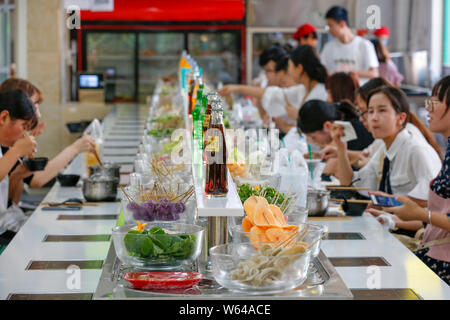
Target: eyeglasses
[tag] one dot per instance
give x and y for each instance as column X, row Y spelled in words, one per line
column 431, row 104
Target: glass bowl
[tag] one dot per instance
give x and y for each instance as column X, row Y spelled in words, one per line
column 181, row 243
column 297, row 216
column 311, row 237
column 157, row 211
column 267, row 275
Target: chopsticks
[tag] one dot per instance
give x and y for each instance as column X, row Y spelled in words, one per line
column 98, row 158
column 347, row 188
column 351, row 201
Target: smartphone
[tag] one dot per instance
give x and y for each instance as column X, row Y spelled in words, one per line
column 385, row 201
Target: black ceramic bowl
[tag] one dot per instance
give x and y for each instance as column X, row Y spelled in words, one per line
column 36, row 164
column 347, row 194
column 68, row 180
column 354, row 209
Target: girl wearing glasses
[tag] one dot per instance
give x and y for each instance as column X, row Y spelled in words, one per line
column 436, row 238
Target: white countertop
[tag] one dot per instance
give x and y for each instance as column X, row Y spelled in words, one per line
column 405, row 270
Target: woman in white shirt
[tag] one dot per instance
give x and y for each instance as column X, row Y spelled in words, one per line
column 17, row 115
column 404, row 165
column 310, row 75
column 360, row 158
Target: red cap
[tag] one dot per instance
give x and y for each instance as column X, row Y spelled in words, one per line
column 304, row 30
column 383, row 31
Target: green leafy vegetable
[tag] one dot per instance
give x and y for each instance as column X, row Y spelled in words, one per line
column 159, row 245
column 245, row 191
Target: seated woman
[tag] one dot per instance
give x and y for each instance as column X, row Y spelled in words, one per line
column 359, row 159
column 55, row 165
column 342, row 86
column 17, row 116
column 316, row 118
column 404, row 165
column 436, row 238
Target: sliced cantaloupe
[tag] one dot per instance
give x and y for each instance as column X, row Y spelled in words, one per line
column 249, row 207
column 276, row 234
column 277, row 214
column 290, row 228
column 263, row 216
column 258, row 235
column 246, row 224
column 262, row 200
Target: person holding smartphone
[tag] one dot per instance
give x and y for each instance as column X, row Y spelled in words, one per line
column 404, row 165
column 436, row 237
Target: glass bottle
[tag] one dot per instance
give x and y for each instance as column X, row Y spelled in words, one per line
column 215, row 152
column 212, row 96
column 197, row 126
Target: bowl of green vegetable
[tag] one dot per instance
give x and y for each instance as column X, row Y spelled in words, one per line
column 157, row 245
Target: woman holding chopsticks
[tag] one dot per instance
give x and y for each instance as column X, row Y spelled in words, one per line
column 404, row 165
column 436, row 238
column 17, row 116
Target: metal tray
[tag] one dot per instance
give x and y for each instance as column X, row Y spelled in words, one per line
column 323, row 282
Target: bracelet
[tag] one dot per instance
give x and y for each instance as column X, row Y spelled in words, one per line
column 429, row 216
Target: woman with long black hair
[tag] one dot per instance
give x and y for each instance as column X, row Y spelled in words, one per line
column 17, row 116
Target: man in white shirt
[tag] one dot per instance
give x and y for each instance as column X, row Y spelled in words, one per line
column 348, row 52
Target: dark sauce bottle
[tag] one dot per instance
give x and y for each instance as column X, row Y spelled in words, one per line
column 215, row 152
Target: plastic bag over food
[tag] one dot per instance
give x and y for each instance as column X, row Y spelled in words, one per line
column 294, row 175
column 95, row 130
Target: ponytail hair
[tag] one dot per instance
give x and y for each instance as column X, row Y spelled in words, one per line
column 314, row 113
column 306, row 56
column 400, row 103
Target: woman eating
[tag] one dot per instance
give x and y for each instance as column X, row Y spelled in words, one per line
column 55, row 165
column 436, row 238
column 404, row 165
column 17, row 116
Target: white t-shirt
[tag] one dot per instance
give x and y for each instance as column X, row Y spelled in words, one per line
column 414, row 163
column 357, row 55
column 275, row 99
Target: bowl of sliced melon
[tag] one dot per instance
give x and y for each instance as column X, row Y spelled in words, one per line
column 266, row 223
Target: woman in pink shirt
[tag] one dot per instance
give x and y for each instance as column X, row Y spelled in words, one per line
column 436, row 238
column 387, row 68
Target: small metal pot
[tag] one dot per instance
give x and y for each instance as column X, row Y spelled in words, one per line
column 100, row 188
column 108, row 170
column 317, row 202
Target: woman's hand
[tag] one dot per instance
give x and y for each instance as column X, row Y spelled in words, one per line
column 39, row 129
column 337, row 132
column 227, row 90
column 409, row 210
column 291, row 111
column 84, row 144
column 363, row 159
column 282, row 124
column 21, row 172
column 328, row 152
column 25, row 146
